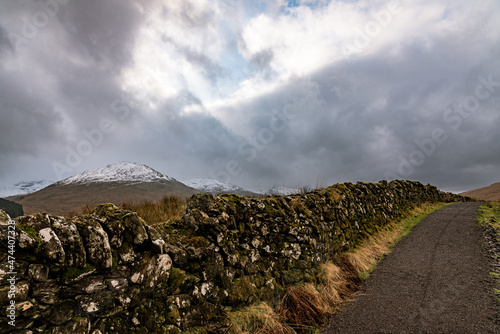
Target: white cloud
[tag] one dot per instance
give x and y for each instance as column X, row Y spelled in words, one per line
column 171, row 31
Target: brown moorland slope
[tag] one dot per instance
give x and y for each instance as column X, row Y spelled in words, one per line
column 490, row 193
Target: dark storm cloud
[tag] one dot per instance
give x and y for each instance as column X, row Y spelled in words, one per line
column 65, row 72
column 102, row 34
column 102, row 31
column 5, row 44
column 30, row 120
column 196, row 134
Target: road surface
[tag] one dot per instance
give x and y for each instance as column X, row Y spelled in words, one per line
column 435, row 281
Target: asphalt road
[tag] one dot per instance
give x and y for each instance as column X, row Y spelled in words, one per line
column 436, row 281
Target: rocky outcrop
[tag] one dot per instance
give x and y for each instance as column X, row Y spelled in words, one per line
column 108, row 272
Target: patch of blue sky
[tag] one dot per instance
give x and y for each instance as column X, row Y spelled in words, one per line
column 313, row 4
column 292, row 5
column 231, row 59
column 237, row 66
column 255, row 8
column 446, row 12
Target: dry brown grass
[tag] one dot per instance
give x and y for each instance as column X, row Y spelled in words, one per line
column 334, row 286
column 154, row 213
column 371, row 251
column 258, row 319
column 309, row 306
column 301, row 307
column 85, row 209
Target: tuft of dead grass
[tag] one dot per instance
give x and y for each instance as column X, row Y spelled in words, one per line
column 258, row 319
column 301, row 307
column 333, row 287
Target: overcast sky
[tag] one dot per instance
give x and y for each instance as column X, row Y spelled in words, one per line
column 254, row 93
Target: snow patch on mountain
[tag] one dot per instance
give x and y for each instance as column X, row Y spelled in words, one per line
column 213, row 186
column 281, row 190
column 118, row 172
column 23, row 188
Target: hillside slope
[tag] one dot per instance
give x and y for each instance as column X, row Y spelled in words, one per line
column 490, row 193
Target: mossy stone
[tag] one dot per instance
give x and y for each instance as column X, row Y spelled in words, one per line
column 176, row 279
column 241, row 290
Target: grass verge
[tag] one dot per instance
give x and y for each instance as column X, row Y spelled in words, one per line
column 307, row 307
column 490, row 216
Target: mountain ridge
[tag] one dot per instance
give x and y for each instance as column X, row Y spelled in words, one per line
column 118, row 172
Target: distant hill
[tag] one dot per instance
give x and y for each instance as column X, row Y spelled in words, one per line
column 13, row 209
column 115, row 183
column 490, row 193
column 217, row 187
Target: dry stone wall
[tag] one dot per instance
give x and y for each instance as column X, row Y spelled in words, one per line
column 108, row 272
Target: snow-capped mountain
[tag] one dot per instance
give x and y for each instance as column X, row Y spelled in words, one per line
column 281, row 190
column 122, row 182
column 23, row 188
column 216, row 187
column 129, row 172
